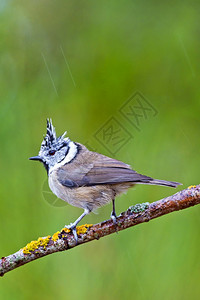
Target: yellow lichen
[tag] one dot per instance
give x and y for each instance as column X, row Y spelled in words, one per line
column 191, row 186
column 66, row 230
column 33, row 245
column 43, row 242
column 55, row 236
column 83, row 228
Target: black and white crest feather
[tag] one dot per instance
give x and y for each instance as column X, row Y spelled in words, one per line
column 50, row 139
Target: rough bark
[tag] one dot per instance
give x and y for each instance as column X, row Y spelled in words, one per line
column 64, row 240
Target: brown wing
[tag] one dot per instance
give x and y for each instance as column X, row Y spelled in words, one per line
column 92, row 168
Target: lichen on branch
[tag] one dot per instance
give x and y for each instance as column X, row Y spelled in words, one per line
column 63, row 240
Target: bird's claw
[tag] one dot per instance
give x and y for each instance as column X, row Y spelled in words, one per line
column 114, row 218
column 72, row 227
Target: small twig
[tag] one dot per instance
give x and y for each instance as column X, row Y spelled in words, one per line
column 64, row 240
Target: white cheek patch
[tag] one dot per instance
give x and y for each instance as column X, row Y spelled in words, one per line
column 71, row 153
column 73, row 149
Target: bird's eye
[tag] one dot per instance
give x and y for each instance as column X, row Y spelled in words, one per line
column 52, row 152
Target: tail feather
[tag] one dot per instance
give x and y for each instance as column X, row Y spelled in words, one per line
column 162, row 182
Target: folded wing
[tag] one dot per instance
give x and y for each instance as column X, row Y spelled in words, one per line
column 103, row 170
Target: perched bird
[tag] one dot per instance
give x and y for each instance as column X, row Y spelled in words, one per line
column 84, row 178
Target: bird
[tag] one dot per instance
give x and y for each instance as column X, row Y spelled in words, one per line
column 84, row 178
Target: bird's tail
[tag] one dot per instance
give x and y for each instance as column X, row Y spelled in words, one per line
column 163, row 182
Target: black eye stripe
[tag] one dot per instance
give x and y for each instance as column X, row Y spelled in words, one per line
column 62, row 147
column 52, row 152
column 67, row 151
column 65, row 154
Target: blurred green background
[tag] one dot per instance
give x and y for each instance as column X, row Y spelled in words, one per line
column 78, row 62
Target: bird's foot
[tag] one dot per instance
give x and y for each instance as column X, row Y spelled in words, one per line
column 72, row 227
column 114, row 219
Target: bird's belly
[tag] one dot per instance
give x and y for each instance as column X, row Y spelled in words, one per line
column 90, row 197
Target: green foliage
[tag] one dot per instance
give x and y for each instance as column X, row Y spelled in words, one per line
column 78, row 62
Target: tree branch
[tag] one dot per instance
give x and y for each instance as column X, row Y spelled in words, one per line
column 64, row 239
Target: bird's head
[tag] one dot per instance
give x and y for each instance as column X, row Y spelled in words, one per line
column 53, row 150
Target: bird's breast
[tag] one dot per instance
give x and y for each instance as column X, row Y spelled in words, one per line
column 56, row 187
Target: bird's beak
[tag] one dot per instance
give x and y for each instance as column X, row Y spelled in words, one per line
column 36, row 158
